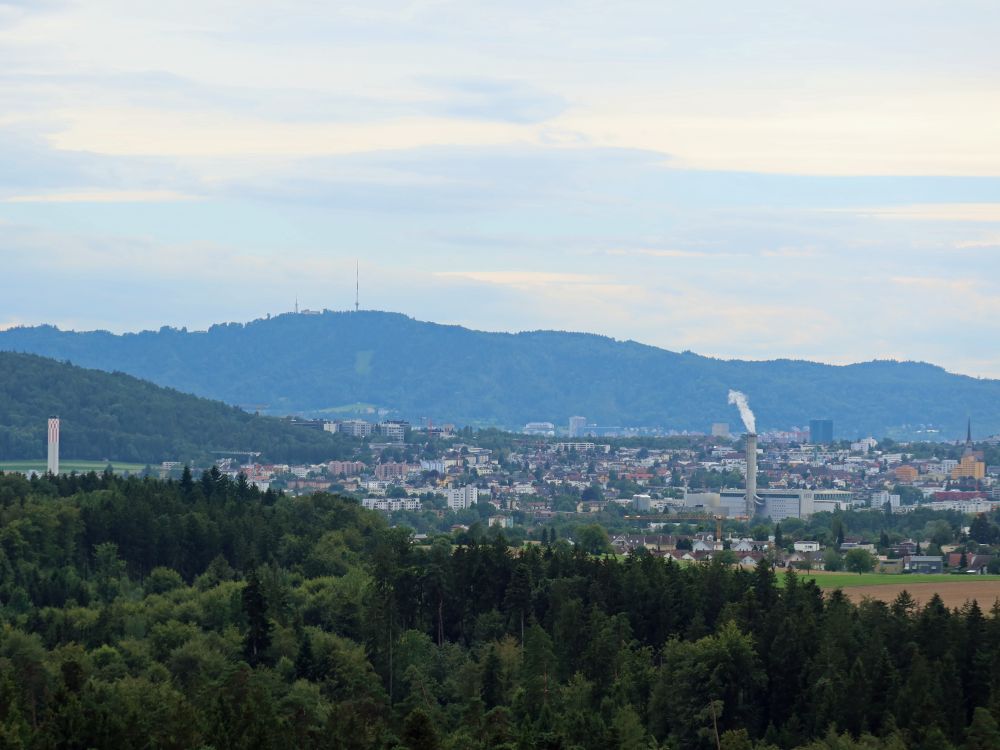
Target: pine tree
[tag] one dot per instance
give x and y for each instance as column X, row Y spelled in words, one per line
column 517, row 599
column 258, row 637
column 419, row 732
column 983, row 733
column 187, row 482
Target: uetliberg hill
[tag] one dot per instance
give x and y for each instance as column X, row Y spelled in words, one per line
column 316, row 362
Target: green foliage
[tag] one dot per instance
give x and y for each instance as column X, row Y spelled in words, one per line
column 115, row 416
column 139, row 613
column 593, row 539
column 859, row 561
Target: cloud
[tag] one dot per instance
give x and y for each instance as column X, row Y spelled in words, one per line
column 954, row 212
column 793, row 252
column 493, row 99
column 523, row 278
column 670, row 253
column 102, row 196
column 986, row 242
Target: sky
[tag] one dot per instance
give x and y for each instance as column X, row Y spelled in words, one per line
column 741, row 179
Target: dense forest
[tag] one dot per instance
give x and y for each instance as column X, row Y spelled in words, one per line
column 334, row 360
column 112, row 416
column 203, row 613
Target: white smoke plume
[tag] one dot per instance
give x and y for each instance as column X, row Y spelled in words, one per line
column 740, row 399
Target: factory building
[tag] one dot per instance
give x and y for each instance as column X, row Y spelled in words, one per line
column 777, row 504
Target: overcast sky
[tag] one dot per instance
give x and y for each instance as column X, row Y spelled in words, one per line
column 743, row 179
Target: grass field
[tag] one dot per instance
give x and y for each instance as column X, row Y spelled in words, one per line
column 68, row 466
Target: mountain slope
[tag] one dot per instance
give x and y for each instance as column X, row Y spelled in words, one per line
column 310, row 363
column 119, row 417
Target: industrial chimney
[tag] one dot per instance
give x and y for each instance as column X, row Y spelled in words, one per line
column 751, row 482
column 53, row 466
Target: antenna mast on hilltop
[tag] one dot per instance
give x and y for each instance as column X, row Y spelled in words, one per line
column 357, row 283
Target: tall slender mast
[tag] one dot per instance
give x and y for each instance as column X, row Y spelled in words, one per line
column 357, row 283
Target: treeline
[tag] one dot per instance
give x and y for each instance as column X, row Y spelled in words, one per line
column 204, row 613
column 118, row 417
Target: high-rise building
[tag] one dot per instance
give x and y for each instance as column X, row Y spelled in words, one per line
column 720, row 429
column 462, row 497
column 53, row 463
column 821, row 431
column 576, row 426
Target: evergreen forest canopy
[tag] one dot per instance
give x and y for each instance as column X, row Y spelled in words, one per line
column 310, row 363
column 204, row 613
column 112, row 416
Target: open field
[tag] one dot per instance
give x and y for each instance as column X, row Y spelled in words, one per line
column 68, row 466
column 954, row 590
column 853, row 580
column 952, row 594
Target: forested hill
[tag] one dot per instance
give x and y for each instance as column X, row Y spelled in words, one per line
column 121, row 418
column 147, row 614
column 316, row 362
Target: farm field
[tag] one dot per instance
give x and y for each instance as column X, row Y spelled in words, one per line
column 952, row 594
column 68, row 466
column 853, row 580
column 954, row 590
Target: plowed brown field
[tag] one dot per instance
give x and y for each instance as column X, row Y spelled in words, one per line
column 952, row 594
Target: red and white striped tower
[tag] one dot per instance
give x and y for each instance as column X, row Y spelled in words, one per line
column 53, row 445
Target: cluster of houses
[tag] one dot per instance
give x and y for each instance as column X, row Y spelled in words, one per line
column 808, row 555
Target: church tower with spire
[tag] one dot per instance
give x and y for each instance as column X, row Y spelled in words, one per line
column 971, row 466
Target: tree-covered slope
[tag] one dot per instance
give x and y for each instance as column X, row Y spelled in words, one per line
column 316, row 362
column 206, row 614
column 118, row 417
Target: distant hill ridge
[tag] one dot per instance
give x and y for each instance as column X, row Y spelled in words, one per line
column 121, row 418
column 314, row 362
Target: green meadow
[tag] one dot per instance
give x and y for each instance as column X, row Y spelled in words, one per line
column 68, row 466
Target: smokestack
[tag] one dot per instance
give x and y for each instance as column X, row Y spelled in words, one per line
column 53, row 465
column 751, row 482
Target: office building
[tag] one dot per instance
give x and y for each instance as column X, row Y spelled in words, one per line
column 821, row 431
column 577, row 426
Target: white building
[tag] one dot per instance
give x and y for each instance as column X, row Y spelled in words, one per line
column 879, row 499
column 545, row 429
column 864, row 445
column 357, row 428
column 387, row 505
column 393, row 431
column 577, row 426
column 806, row 546
column 462, row 497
